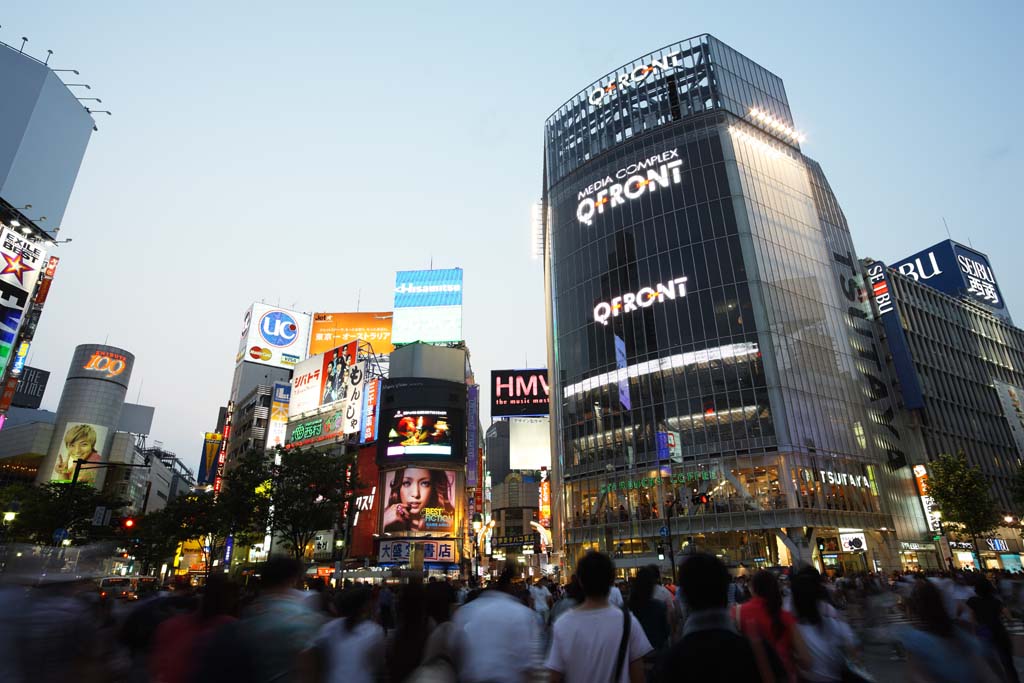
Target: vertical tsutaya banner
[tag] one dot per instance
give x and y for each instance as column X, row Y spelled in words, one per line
column 472, row 434
column 277, row 426
column 208, row 460
column 22, row 262
column 620, row 363
column 428, row 306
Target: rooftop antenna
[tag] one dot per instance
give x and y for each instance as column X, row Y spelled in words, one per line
column 138, row 397
column 431, row 261
column 106, row 338
column 947, row 227
column 23, row 41
column 49, row 53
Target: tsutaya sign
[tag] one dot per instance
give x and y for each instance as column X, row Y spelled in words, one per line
column 647, row 175
column 843, row 478
column 645, row 297
column 602, row 93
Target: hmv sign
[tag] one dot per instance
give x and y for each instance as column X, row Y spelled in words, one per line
column 518, row 393
column 956, row 270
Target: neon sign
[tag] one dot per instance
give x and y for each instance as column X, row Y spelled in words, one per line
column 660, row 170
column 645, row 297
column 111, row 363
column 601, row 93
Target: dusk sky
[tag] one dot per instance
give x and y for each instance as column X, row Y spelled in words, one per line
column 301, row 153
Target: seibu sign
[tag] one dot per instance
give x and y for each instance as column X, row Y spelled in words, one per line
column 519, row 392
column 636, row 179
column 645, row 297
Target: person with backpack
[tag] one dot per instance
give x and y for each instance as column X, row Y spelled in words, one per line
column 710, row 649
column 596, row 641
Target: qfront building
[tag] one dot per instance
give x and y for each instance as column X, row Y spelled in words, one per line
column 714, row 365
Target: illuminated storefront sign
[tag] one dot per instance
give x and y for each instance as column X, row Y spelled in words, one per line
column 519, row 392
column 931, row 513
column 400, row 551
column 843, row 478
column 645, row 297
column 603, row 93
column 997, row 545
column 19, row 359
column 678, row 478
column 110, row 364
column 636, row 179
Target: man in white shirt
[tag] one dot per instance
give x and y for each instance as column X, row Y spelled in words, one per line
column 585, row 641
column 497, row 638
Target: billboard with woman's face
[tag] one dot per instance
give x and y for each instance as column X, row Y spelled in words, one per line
column 419, row 501
column 84, row 442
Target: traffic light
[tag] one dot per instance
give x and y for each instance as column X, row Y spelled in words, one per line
column 661, row 552
column 128, row 523
column 701, row 499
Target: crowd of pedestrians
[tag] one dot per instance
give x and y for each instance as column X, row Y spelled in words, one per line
column 793, row 627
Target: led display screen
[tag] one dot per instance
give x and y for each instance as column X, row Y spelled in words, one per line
column 419, row 501
column 415, row 433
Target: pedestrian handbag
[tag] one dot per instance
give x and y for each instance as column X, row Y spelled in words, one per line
column 620, row 660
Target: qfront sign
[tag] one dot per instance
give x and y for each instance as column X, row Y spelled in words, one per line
column 629, row 79
column 630, row 182
column 519, row 392
column 960, row 271
column 645, row 297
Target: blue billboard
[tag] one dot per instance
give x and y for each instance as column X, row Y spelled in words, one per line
column 959, row 271
column 428, row 288
column 896, row 338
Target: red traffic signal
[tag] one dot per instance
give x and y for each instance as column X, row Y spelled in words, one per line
column 128, row 523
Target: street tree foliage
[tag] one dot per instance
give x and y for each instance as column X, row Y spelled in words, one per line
column 961, row 492
column 45, row 509
column 240, row 511
column 308, row 492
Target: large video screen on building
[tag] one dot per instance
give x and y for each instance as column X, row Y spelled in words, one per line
column 529, row 443
column 419, row 501
column 420, row 433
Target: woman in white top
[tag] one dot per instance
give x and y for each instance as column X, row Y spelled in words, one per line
column 821, row 641
column 349, row 649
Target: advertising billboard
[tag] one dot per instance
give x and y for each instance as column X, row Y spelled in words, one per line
column 307, row 386
column 327, row 378
column 903, row 362
column 22, row 262
column 81, row 442
column 957, row 270
column 400, row 552
column 420, row 434
column 529, row 443
column 428, row 306
column 364, row 522
column 208, row 459
column 472, row 435
column 273, row 336
column 277, row 427
column 371, row 411
column 419, row 501
column 104, row 363
column 519, row 392
column 331, row 330
column 31, row 388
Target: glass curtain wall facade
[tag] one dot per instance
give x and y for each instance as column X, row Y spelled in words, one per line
column 694, row 305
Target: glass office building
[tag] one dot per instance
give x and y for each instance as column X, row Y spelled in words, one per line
column 709, row 342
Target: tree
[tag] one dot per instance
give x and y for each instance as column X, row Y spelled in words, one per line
column 155, row 537
column 961, row 493
column 45, row 509
column 240, row 511
column 308, row 491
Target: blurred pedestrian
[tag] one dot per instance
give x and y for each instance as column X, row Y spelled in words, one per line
column 822, row 642
column 652, row 614
column 572, row 597
column 597, row 641
column 279, row 624
column 496, row 638
column 987, row 612
column 763, row 621
column 711, row 649
column 407, row 643
column 174, row 654
column 540, row 598
column 939, row 651
column 349, row 649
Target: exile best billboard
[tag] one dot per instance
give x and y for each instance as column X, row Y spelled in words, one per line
column 519, row 392
column 959, row 271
